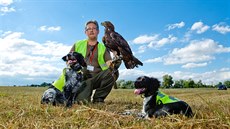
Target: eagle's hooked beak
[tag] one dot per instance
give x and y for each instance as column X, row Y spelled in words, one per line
column 103, row 23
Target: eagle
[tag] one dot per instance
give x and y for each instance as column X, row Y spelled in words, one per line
column 119, row 46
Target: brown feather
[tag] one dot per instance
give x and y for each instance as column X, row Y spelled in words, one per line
column 115, row 42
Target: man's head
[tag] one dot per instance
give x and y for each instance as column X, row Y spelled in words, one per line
column 92, row 29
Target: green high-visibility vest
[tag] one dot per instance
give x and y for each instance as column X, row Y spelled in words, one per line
column 81, row 47
column 60, row 83
column 164, row 99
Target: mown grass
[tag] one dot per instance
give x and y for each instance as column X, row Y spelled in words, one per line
column 20, row 108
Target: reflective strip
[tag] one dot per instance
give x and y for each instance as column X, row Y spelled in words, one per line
column 163, row 98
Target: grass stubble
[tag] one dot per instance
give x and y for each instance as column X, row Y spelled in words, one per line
column 20, row 108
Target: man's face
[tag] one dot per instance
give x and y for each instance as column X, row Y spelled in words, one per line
column 92, row 31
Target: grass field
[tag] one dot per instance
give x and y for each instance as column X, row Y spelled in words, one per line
column 20, row 108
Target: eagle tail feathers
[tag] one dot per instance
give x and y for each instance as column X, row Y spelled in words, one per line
column 132, row 63
column 137, row 62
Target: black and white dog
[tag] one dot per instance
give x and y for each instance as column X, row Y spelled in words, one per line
column 73, row 78
column 156, row 103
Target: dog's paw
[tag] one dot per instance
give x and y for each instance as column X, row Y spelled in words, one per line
column 126, row 113
column 141, row 115
column 69, row 104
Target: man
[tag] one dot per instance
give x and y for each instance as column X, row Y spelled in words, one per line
column 98, row 59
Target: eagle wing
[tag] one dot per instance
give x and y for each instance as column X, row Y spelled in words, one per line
column 107, row 40
column 122, row 45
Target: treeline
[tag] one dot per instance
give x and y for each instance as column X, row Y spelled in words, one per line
column 169, row 83
column 44, row 84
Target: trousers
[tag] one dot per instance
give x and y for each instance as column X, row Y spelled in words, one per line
column 102, row 83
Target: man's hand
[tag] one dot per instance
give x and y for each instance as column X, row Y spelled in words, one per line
column 109, row 63
column 114, row 64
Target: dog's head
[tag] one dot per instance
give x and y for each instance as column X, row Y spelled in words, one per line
column 49, row 96
column 146, row 85
column 74, row 58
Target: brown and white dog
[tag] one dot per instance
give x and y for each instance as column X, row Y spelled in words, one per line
column 156, row 103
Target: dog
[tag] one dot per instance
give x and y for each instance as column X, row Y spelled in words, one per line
column 156, row 103
column 73, row 82
column 74, row 76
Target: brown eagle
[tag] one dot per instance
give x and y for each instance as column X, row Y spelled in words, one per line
column 119, row 46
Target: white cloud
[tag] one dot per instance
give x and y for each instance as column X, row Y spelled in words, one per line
column 152, row 41
column 176, row 25
column 145, row 39
column 194, row 65
column 210, row 77
column 21, row 58
column 196, row 51
column 50, row 29
column 225, row 69
column 221, row 28
column 161, row 42
column 6, row 2
column 5, row 7
column 142, row 49
column 199, row 27
column 154, row 60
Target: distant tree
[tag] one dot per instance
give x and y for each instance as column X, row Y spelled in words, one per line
column 199, row 84
column 120, row 84
column 186, row 84
column 191, row 83
column 34, row 85
column 178, row 84
column 227, row 83
column 44, row 84
column 129, row 85
column 167, row 81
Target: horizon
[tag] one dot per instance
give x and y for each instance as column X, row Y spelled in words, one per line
column 182, row 38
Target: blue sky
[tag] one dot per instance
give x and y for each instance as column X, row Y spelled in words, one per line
column 182, row 38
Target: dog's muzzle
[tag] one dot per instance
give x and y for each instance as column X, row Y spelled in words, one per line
column 139, row 91
column 139, row 88
column 71, row 62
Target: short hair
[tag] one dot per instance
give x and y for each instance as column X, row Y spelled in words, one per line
column 92, row 21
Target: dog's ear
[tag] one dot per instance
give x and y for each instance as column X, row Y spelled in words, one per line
column 156, row 83
column 64, row 58
column 80, row 59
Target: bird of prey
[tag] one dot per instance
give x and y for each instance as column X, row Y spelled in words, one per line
column 119, row 46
